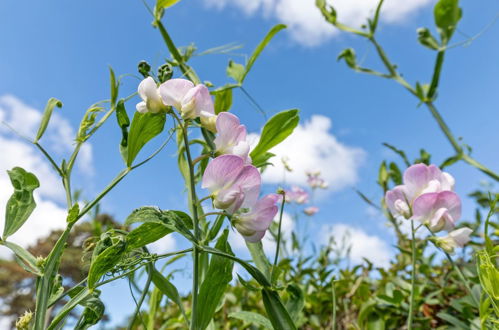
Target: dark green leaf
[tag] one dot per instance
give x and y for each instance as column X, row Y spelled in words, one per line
column 69, row 306
column 349, row 56
column 123, row 123
column 105, row 261
column 146, row 233
column 169, row 290
column 217, row 279
column 93, row 312
column 276, row 312
column 21, row 204
column 145, row 126
column 277, row 128
column 252, row 318
column 295, row 302
column 47, row 113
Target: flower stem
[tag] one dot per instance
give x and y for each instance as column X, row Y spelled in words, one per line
column 413, row 278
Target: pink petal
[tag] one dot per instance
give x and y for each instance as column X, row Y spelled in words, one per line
column 201, row 97
column 222, row 171
column 256, row 237
column 391, row 198
column 431, row 207
column 173, row 91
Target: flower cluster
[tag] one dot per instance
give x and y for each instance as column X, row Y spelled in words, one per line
column 427, row 196
column 234, row 183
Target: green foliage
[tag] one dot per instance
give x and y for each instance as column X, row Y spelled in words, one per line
column 252, row 318
column 144, row 127
column 47, row 113
column 217, row 278
column 169, row 290
column 21, row 204
column 276, row 130
column 104, row 261
column 223, row 100
column 447, row 14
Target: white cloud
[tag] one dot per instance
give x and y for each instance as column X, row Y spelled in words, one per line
column 312, row 147
column 360, row 244
column 49, row 213
column 305, row 22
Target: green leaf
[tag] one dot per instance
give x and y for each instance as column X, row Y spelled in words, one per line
column 145, row 126
column 165, row 3
column 27, row 260
column 261, row 46
column 47, row 113
column 169, row 290
column 212, row 289
column 69, row 306
column 252, row 318
column 295, row 302
column 223, row 100
column 21, row 204
column 276, row 312
column 349, row 56
column 277, row 128
column 447, row 14
column 123, row 123
column 235, row 71
column 173, row 220
column 105, row 261
column 93, row 312
column 114, row 86
column 259, row 257
column 146, row 233
column 426, row 39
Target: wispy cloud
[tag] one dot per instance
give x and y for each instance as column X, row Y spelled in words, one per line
column 305, row 23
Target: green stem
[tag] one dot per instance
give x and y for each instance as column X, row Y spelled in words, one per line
column 278, row 243
column 145, row 291
column 195, row 220
column 334, row 303
column 436, row 74
column 413, row 278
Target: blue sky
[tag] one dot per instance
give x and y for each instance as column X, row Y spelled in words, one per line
column 63, row 49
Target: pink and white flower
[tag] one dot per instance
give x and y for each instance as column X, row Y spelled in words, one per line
column 296, row 194
column 252, row 221
column 418, row 179
column 231, row 136
column 192, row 101
column 311, row 210
column 231, row 182
column 151, row 99
column 439, row 211
column 315, row 181
column 456, row 238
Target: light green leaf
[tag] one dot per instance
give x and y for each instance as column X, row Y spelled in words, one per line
column 21, row 204
column 105, row 261
column 27, row 259
column 426, row 39
column 145, row 126
column 114, row 86
column 146, row 233
column 236, row 71
column 83, row 294
column 223, row 100
column 252, row 318
column 447, row 14
column 212, row 289
column 165, row 3
column 261, row 46
column 276, row 312
column 278, row 128
column 169, row 290
column 47, row 113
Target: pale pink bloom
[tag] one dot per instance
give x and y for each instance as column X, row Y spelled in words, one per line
column 192, row 101
column 231, row 182
column 315, row 181
column 456, row 238
column 418, row 179
column 311, row 210
column 231, row 136
column 151, row 100
column 296, row 194
column 252, row 221
column 440, row 211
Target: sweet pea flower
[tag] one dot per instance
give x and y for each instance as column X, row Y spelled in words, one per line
column 231, row 182
column 297, row 195
column 231, row 136
column 192, row 101
column 311, row 210
column 418, row 179
column 456, row 238
column 151, row 99
column 252, row 221
column 315, row 181
column 439, row 211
